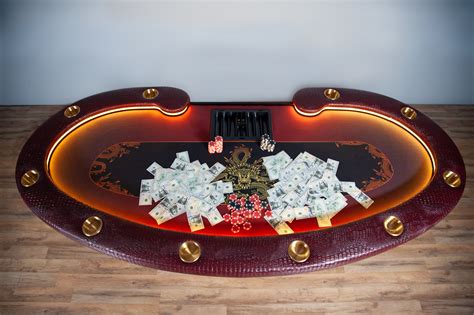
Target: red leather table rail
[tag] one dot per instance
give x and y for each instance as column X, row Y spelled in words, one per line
column 80, row 172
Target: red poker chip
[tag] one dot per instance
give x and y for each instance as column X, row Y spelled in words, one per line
column 248, row 214
column 247, row 226
column 219, row 138
column 268, row 213
column 232, row 197
column 226, row 217
column 235, row 228
column 256, row 215
column 240, row 220
column 218, row 146
column 235, row 214
column 254, row 197
column 211, row 147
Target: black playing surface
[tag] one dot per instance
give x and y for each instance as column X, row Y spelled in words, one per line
column 121, row 167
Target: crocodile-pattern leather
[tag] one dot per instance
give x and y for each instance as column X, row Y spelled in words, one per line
column 235, row 256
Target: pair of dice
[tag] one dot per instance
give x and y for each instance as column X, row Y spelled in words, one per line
column 216, row 146
column 267, row 144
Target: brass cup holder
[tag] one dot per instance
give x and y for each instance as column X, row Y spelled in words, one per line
column 393, row 226
column 150, row 93
column 299, row 251
column 332, row 94
column 189, row 251
column 92, row 226
column 72, row 111
column 408, row 112
column 29, row 178
column 452, row 179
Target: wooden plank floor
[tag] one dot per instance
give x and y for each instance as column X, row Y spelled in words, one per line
column 41, row 271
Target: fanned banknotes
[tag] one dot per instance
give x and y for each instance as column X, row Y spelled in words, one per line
column 307, row 187
column 185, row 187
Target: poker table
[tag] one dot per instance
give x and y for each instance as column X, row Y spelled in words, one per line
column 81, row 173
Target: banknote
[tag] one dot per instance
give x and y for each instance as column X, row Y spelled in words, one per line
column 213, row 216
column 216, row 169
column 193, row 214
column 332, row 165
column 179, row 164
column 185, row 187
column 273, row 173
column 162, row 214
column 227, row 187
column 307, row 187
column 153, row 167
column 162, row 174
column 145, row 199
column 317, row 170
column 324, row 221
column 301, row 188
column 276, row 163
column 183, row 156
column 281, row 159
column 362, row 198
column 291, row 198
column 195, row 221
column 157, row 195
column 303, row 213
column 146, row 188
column 215, row 198
column 300, row 164
column 158, row 212
column 347, row 186
column 319, row 208
column 288, row 214
column 287, row 186
column 278, row 225
column 335, row 203
column 276, row 192
column 357, row 194
column 146, row 185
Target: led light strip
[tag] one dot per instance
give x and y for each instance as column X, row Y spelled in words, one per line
column 365, row 111
column 111, row 111
column 339, row 108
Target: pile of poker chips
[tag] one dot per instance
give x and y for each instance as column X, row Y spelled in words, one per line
column 266, row 143
column 216, row 146
column 243, row 210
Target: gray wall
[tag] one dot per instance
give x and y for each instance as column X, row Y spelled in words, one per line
column 55, row 52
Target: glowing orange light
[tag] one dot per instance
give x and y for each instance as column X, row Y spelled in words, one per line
column 75, row 153
column 107, row 112
column 365, row 111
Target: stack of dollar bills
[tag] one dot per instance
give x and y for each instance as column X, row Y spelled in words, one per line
column 185, row 187
column 307, row 187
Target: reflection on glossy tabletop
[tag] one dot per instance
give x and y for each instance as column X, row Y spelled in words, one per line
column 43, row 270
column 70, row 161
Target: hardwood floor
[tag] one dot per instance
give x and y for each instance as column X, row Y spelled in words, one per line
column 42, row 271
